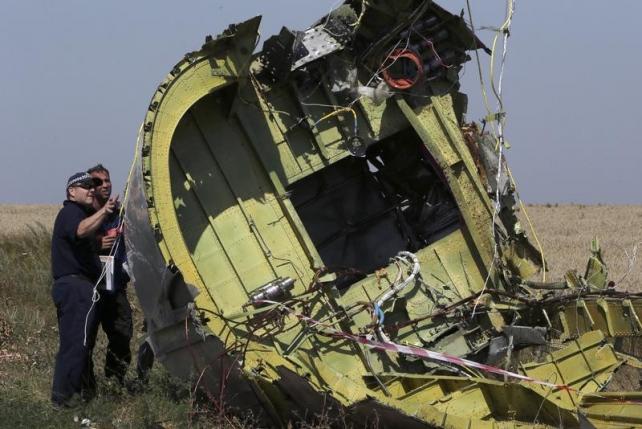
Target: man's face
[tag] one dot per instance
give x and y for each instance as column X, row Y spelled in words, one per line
column 82, row 194
column 103, row 191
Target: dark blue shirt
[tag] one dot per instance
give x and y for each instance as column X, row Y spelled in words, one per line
column 70, row 254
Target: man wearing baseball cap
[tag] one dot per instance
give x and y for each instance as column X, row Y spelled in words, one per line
column 76, row 269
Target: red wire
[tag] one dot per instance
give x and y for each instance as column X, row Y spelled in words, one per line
column 404, row 82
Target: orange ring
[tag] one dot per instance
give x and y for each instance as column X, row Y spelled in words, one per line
column 404, row 83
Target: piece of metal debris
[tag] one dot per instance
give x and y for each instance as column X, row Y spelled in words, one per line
column 316, row 227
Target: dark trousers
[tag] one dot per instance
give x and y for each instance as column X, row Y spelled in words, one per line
column 115, row 316
column 73, row 371
column 144, row 361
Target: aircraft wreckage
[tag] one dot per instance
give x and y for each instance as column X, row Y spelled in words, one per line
column 314, row 228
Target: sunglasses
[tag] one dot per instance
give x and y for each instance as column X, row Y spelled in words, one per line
column 85, row 186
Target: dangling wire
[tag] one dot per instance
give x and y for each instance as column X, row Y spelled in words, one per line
column 479, row 67
column 505, row 29
column 498, row 132
column 357, row 23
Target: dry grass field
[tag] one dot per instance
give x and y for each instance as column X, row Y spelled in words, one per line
column 565, row 232
column 15, row 219
column 28, row 334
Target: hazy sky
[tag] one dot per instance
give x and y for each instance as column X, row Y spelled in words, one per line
column 76, row 78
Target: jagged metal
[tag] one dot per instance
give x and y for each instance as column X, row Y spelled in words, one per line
column 294, row 212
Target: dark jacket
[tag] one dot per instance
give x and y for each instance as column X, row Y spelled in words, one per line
column 71, row 255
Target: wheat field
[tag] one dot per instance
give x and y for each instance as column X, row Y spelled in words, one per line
column 16, row 219
column 565, row 232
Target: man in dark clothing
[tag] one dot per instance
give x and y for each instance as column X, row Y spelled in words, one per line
column 114, row 311
column 76, row 268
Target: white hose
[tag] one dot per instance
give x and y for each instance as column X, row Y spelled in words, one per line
column 397, row 287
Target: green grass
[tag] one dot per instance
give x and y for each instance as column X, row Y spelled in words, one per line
column 29, row 342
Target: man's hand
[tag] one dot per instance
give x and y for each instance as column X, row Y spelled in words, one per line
column 107, row 242
column 111, row 205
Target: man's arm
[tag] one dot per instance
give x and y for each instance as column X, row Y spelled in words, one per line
column 92, row 223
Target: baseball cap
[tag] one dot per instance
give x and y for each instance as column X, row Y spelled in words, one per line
column 82, row 178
